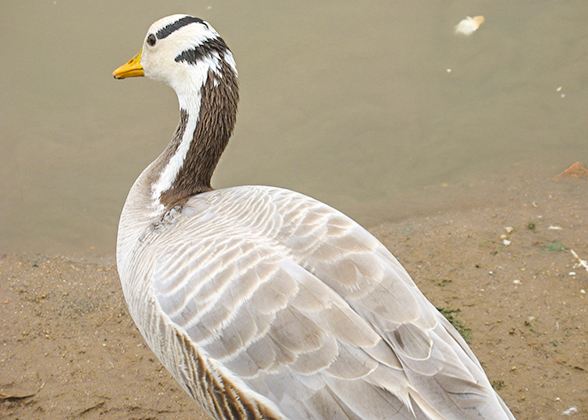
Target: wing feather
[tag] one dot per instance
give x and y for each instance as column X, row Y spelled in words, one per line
column 312, row 312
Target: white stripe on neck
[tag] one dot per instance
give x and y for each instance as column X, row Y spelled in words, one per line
column 190, row 98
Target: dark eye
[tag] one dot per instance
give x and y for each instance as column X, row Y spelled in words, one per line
column 151, row 40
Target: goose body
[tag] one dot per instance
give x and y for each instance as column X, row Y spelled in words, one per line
column 264, row 303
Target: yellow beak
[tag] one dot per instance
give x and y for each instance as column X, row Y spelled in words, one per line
column 132, row 68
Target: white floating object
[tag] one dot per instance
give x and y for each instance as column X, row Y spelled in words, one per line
column 555, row 227
column 469, row 25
column 508, row 229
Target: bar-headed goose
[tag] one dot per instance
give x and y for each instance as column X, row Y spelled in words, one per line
column 264, row 303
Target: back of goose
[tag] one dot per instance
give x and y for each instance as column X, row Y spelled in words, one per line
column 264, row 303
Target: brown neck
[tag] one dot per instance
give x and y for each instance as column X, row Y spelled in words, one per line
column 215, row 122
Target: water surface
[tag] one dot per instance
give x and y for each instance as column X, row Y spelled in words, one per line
column 376, row 108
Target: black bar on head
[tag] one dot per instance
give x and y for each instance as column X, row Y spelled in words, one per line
column 169, row 29
column 193, row 55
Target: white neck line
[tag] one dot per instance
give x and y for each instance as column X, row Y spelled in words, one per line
column 172, row 168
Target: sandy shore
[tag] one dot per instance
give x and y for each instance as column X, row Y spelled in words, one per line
column 69, row 349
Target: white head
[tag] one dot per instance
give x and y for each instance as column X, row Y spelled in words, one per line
column 180, row 51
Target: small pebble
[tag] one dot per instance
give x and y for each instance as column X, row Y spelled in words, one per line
column 506, row 242
column 583, row 291
column 516, row 281
column 508, row 229
column 572, row 273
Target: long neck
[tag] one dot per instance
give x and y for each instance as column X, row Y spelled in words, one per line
column 207, row 118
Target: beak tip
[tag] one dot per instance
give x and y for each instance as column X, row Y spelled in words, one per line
column 130, row 69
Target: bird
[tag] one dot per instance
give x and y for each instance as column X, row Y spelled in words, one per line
column 264, row 303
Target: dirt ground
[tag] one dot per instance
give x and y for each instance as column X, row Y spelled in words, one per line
column 506, row 271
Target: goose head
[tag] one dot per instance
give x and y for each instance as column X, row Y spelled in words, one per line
column 181, row 51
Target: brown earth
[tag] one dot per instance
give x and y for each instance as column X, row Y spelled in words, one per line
column 69, row 350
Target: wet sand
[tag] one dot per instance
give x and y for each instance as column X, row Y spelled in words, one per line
column 69, row 349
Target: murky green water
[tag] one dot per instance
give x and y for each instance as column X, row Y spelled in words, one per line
column 371, row 107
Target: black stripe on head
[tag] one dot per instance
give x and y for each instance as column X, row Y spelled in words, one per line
column 205, row 49
column 172, row 27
